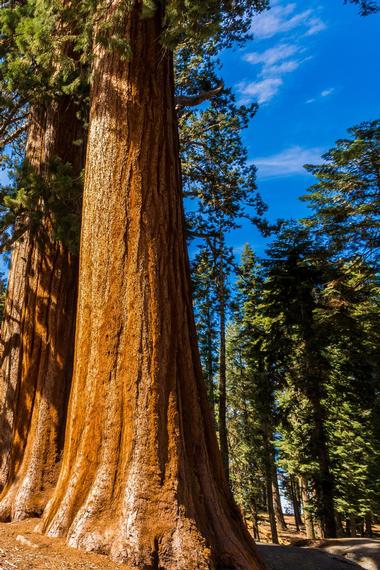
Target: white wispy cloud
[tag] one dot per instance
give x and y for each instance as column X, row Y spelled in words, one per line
column 283, row 58
column 286, row 162
column 324, row 93
column 274, row 63
column 315, row 25
column 327, row 92
column 284, row 18
column 261, row 91
column 271, row 55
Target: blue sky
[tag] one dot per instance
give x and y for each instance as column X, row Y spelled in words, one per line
column 314, row 67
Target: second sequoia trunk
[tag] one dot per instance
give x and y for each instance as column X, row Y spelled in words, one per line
column 142, row 476
column 38, row 333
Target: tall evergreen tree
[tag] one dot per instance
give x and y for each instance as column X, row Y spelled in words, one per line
column 346, row 198
column 220, row 184
column 294, row 282
column 142, row 476
column 40, row 217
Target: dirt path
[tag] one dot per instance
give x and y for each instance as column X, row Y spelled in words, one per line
column 295, row 558
column 364, row 551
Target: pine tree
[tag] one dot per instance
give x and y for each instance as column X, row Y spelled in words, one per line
column 220, row 185
column 345, row 200
column 294, row 280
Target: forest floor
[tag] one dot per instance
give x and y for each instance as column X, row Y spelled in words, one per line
column 22, row 549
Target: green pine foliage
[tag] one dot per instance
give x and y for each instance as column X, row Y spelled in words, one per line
column 346, row 198
column 366, row 7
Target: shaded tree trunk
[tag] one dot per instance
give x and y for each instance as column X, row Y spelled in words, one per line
column 11, row 348
column 295, row 502
column 353, row 524
column 270, row 506
column 210, row 359
column 269, row 490
column 277, row 500
column 222, row 402
column 38, row 335
column 142, row 476
column 307, row 515
column 255, row 520
column 324, row 482
column 368, row 525
column 339, row 525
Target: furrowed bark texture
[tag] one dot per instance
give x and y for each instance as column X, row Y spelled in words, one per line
column 11, row 348
column 142, row 477
column 38, row 336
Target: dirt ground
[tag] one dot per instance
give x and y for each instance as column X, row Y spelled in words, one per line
column 22, row 549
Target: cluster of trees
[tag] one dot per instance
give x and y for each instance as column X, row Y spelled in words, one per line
column 301, row 353
column 105, row 424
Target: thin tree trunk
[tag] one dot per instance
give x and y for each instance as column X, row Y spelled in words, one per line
column 307, row 515
column 269, row 488
column 38, row 335
column 277, row 499
column 339, row 525
column 324, row 480
column 142, row 476
column 295, row 503
column 210, row 367
column 353, row 524
column 368, row 525
column 255, row 520
column 222, row 403
column 270, row 505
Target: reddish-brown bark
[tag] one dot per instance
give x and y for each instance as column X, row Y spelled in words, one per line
column 11, row 348
column 142, row 477
column 38, row 336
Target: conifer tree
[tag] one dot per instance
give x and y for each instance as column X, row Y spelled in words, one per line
column 40, row 217
column 220, row 185
column 142, row 476
column 345, row 199
column 294, row 280
column 259, row 387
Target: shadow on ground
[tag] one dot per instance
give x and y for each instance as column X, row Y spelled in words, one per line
column 363, row 551
column 295, row 558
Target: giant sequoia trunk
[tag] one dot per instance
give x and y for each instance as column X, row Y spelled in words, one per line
column 11, row 348
column 38, row 335
column 142, row 477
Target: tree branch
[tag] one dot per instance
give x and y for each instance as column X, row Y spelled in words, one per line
column 193, row 100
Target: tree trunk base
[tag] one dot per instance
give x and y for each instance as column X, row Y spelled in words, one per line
column 154, row 545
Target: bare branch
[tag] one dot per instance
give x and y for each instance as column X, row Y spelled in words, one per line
column 193, row 100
